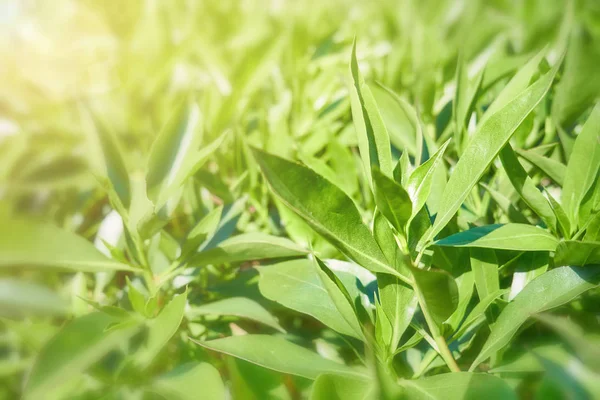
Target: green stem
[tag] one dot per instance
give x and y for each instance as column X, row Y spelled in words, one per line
column 436, row 334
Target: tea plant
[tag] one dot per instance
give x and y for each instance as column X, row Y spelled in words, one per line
column 315, row 219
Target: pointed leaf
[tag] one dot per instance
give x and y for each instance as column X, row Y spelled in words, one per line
column 237, row 306
column 161, row 329
column 280, row 355
column 373, row 139
column 484, row 146
column 583, row 165
column 505, row 237
column 573, row 252
column 296, row 285
column 552, row 168
column 438, row 291
column 248, row 247
column 551, row 289
column 391, row 199
column 526, row 188
column 326, row 208
column 420, row 182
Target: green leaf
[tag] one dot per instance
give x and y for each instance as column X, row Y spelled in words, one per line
column 186, row 381
column 237, row 306
column 202, row 231
column 177, row 141
column 136, row 299
column 464, row 284
column 477, row 314
column 572, row 252
column 420, row 181
column 528, row 267
column 247, row 247
column 76, row 347
column 583, row 166
column 484, row 265
column 175, row 154
column 563, row 220
column 19, row 299
column 336, row 387
column 585, row 347
column 516, row 85
column 552, row 168
column 297, row 285
column 399, row 116
column 326, row 208
column 161, row 329
column 458, row 386
column 484, row 146
column 340, row 297
column 580, row 81
column 551, row 289
column 399, row 302
column 25, row 244
column 391, row 199
column 526, row 188
column 114, row 165
column 438, row 291
column 280, row 355
column 373, row 138
column 519, row 237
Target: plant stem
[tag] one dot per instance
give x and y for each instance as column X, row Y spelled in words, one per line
column 436, row 334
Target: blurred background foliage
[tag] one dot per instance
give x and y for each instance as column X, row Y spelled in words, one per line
column 270, row 73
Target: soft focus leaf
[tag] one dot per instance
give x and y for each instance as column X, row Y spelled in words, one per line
column 186, row 381
column 550, row 290
column 25, row 244
column 238, row 306
column 75, row 348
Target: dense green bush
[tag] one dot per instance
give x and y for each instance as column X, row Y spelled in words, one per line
column 282, row 199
